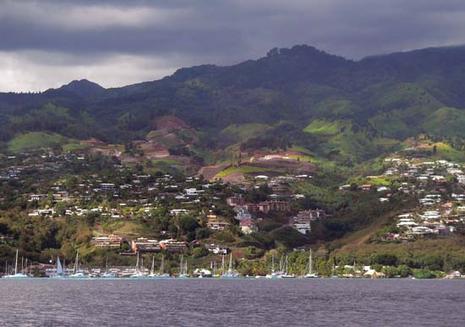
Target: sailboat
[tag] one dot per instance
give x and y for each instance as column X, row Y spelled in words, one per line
column 16, row 274
column 230, row 273
column 152, row 269
column 183, row 268
column 161, row 273
column 138, row 273
column 310, row 273
column 59, row 272
column 77, row 273
column 286, row 273
column 107, row 273
column 274, row 274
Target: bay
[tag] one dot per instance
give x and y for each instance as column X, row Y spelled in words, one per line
column 244, row 302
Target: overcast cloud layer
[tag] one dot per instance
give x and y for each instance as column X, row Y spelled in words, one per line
column 48, row 43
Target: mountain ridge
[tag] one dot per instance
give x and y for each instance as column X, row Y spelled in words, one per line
column 391, row 96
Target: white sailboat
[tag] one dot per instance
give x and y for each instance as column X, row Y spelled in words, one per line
column 310, row 273
column 59, row 272
column 274, row 274
column 161, row 273
column 231, row 273
column 77, row 273
column 138, row 273
column 183, row 268
column 152, row 269
column 16, row 274
column 285, row 269
column 107, row 273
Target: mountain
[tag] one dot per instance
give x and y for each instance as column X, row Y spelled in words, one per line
column 82, row 88
column 301, row 97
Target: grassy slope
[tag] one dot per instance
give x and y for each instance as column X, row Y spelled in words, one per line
column 36, row 140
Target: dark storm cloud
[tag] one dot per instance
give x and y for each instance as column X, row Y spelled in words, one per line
column 180, row 32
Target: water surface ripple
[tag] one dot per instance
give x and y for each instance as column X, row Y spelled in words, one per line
column 316, row 302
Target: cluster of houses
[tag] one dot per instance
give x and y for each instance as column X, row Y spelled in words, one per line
column 249, row 213
column 439, row 189
column 139, row 244
column 123, row 194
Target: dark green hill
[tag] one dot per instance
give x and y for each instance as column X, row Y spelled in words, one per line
column 391, row 96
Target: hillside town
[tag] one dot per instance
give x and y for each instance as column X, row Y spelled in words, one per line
column 130, row 212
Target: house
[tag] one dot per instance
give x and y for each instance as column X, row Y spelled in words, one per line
column 421, row 230
column 216, row 223
column 303, row 226
column 431, row 215
column 366, row 187
column 110, row 241
column 37, row 197
column 267, row 206
column 311, row 215
column 107, row 186
column 193, row 191
column 235, row 201
column 217, row 249
column 242, row 213
column 177, row 212
column 173, row 246
column 143, row 244
column 248, row 226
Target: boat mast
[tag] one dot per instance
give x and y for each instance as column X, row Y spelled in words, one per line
column 16, row 262
column 162, row 265
column 310, row 263
column 230, row 263
column 137, row 261
column 152, row 270
column 76, row 263
column 181, row 266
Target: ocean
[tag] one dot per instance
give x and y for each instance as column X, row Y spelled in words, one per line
column 242, row 302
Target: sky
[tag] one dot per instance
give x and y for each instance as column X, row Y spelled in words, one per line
column 48, row 43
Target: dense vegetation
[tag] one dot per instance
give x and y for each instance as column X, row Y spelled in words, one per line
column 339, row 108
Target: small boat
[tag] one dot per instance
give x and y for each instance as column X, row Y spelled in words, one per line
column 202, row 273
column 286, row 273
column 161, row 273
column 310, row 273
column 274, row 274
column 107, row 273
column 230, row 273
column 183, row 268
column 16, row 274
column 59, row 272
column 152, row 269
column 138, row 273
column 77, row 273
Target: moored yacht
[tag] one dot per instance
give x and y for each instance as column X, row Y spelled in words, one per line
column 16, row 274
column 138, row 272
column 310, row 273
column 231, row 273
column 286, row 273
column 77, row 273
column 183, row 268
column 59, row 272
column 274, row 274
column 107, row 273
column 161, row 273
